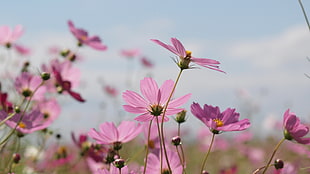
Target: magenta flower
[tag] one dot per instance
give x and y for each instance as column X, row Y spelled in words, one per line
column 185, row 56
column 153, row 101
column 293, row 129
column 113, row 92
column 153, row 164
column 4, row 103
column 8, row 36
column 83, row 38
column 217, row 121
column 110, row 134
column 31, row 122
column 26, row 84
column 146, row 63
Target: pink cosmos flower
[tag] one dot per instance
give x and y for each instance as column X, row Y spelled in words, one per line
column 146, row 63
column 31, row 122
column 26, row 84
column 153, row 101
column 50, row 109
column 293, row 129
column 109, row 134
column 113, row 170
column 83, row 38
column 153, row 164
column 186, row 56
column 22, row 49
column 110, row 90
column 4, row 103
column 8, row 36
column 130, row 53
column 217, row 121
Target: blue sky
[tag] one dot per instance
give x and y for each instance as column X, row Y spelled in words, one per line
column 262, row 45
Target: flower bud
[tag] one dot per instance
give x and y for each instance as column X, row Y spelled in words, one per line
column 117, row 145
column 45, row 76
column 205, row 172
column 119, row 163
column 16, row 158
column 17, row 109
column 278, row 164
column 176, row 141
column 65, row 52
column 181, row 117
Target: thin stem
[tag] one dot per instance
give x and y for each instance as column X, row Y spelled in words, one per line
column 147, row 146
column 120, row 170
column 261, row 168
column 7, row 118
column 161, row 145
column 273, row 153
column 304, row 12
column 163, row 116
column 207, row 155
column 181, row 147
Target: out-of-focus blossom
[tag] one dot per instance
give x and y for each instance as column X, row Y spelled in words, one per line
column 217, row 121
column 204, row 138
column 146, row 62
column 293, row 129
column 185, row 56
column 83, row 38
column 231, row 170
column 31, row 122
column 153, row 101
column 22, row 49
column 130, row 53
column 113, row 170
column 287, row 169
column 4, row 103
column 9, row 36
column 153, row 164
column 50, row 109
column 27, row 83
column 109, row 134
column 113, row 92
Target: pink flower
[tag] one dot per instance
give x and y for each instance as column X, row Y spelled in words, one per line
column 83, row 38
column 31, row 122
column 4, row 103
column 186, row 56
column 26, row 84
column 21, row 49
column 113, row 170
column 146, row 63
column 50, row 109
column 111, row 91
column 109, row 134
column 217, row 121
column 293, row 129
column 153, row 101
column 8, row 36
column 130, row 53
column 153, row 164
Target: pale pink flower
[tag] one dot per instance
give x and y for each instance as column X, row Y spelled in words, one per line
column 31, row 122
column 50, row 109
column 185, row 56
column 26, row 84
column 217, row 121
column 153, row 164
column 22, row 49
column 111, row 90
column 153, row 101
column 146, row 63
column 109, row 134
column 293, row 129
column 8, row 36
column 131, row 53
column 83, row 38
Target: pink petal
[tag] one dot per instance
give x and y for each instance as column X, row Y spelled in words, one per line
column 179, row 47
column 179, row 101
column 135, row 110
column 134, row 99
column 168, row 47
column 144, row 117
column 165, row 91
column 5, row 33
column 149, row 89
column 128, row 130
column 18, row 31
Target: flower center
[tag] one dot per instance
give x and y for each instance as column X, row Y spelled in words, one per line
column 26, row 92
column 188, row 54
column 22, row 125
column 156, row 110
column 61, row 152
column 218, row 122
column 165, row 171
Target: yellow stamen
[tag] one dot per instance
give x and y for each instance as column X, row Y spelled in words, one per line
column 188, row 53
column 22, row 125
column 218, row 122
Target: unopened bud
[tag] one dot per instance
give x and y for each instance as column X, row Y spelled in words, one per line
column 119, row 163
column 278, row 164
column 16, row 158
column 65, row 52
column 181, row 117
column 176, row 141
column 205, row 172
column 45, row 76
column 17, row 109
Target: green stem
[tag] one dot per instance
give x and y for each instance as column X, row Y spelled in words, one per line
column 147, row 146
column 161, row 145
column 207, row 155
column 182, row 151
column 304, row 12
column 273, row 153
column 163, row 116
